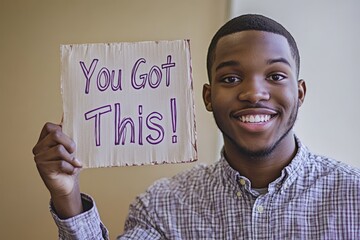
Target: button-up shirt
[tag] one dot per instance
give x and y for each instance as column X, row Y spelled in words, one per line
column 314, row 198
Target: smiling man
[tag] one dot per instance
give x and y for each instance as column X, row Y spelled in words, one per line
column 266, row 185
column 255, row 95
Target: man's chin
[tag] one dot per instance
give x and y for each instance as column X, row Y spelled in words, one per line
column 256, row 153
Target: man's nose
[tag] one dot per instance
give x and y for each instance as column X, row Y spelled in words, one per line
column 254, row 90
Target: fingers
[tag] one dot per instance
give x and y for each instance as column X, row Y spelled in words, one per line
column 57, row 153
column 54, row 145
column 54, row 156
column 48, row 127
column 61, row 166
column 52, row 135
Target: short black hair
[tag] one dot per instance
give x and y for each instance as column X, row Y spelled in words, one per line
column 251, row 22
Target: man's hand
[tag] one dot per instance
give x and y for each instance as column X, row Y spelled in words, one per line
column 59, row 169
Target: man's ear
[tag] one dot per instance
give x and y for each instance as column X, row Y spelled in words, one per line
column 207, row 97
column 301, row 91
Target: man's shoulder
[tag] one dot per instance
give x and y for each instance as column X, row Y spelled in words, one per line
column 331, row 168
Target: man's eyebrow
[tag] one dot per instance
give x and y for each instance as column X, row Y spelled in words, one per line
column 227, row 64
column 276, row 60
column 235, row 63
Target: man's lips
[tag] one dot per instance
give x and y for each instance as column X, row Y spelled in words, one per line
column 254, row 115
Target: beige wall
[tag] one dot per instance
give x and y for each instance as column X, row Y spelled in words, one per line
column 31, row 32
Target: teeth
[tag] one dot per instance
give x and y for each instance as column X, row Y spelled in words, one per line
column 255, row 118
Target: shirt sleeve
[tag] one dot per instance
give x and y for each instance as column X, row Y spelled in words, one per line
column 86, row 225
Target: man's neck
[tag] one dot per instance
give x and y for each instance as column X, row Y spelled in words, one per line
column 264, row 169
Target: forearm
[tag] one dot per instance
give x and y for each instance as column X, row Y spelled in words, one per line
column 68, row 206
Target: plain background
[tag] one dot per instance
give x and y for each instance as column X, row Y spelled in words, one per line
column 32, row 31
column 31, row 34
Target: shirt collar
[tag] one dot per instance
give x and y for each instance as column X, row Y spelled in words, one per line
column 288, row 174
column 296, row 166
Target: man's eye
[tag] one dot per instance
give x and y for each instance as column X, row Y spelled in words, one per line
column 276, row 77
column 231, row 79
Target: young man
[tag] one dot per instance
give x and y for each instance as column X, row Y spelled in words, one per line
column 267, row 184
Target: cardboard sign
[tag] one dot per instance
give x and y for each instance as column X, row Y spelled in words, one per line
column 129, row 103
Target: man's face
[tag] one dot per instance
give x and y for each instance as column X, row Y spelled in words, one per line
column 254, row 93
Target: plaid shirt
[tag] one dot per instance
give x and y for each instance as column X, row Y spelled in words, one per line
column 314, row 198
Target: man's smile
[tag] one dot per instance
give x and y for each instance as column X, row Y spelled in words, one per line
column 254, row 119
column 254, row 115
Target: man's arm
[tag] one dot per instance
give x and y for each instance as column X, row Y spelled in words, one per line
column 54, row 157
column 59, row 169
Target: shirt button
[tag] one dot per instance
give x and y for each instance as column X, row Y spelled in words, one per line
column 238, row 194
column 242, row 182
column 260, row 209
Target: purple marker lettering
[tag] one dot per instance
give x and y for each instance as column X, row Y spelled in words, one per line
column 96, row 113
column 167, row 66
column 142, row 76
column 106, row 73
column 155, row 127
column 157, row 71
column 140, row 125
column 118, row 86
column 121, row 127
column 88, row 73
column 173, row 118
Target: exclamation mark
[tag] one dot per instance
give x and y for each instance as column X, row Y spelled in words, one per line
column 173, row 118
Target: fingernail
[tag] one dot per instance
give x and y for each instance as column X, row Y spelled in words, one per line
column 77, row 162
